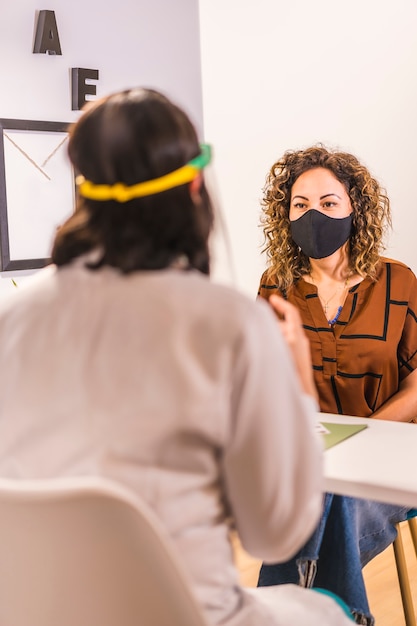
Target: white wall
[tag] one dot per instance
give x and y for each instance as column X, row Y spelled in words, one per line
column 283, row 75
column 154, row 43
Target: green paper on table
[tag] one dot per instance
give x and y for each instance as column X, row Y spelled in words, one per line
column 335, row 433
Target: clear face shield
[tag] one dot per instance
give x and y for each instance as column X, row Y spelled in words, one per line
column 222, row 268
column 220, row 248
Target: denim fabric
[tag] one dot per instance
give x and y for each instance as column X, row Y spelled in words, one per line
column 350, row 533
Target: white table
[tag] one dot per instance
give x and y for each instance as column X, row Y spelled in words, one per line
column 378, row 463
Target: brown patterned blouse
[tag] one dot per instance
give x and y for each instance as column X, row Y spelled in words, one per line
column 359, row 361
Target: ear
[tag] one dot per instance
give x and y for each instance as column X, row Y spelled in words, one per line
column 195, row 187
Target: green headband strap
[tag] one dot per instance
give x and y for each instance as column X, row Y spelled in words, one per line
column 123, row 193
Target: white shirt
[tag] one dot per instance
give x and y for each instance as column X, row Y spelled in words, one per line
column 182, row 390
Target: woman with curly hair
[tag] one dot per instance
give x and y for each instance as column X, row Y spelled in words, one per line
column 324, row 220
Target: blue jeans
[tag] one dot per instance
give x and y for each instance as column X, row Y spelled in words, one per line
column 350, row 533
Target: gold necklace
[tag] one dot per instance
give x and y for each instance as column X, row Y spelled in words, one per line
column 325, row 304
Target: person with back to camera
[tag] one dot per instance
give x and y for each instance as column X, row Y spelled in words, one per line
column 124, row 360
column 324, row 217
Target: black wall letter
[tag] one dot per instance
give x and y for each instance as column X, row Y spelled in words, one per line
column 78, row 87
column 47, row 38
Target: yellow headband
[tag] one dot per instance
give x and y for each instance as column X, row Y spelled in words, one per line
column 123, row 193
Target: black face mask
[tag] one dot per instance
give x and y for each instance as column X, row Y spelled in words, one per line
column 319, row 235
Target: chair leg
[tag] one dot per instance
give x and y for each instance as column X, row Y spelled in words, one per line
column 412, row 524
column 410, row 619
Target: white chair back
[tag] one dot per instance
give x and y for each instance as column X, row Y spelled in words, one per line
column 84, row 552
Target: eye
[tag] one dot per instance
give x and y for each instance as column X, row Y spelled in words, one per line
column 329, row 204
column 301, row 206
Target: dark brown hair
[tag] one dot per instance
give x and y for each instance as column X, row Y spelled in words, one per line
column 130, row 137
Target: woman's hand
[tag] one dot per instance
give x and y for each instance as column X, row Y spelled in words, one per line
column 292, row 329
column 402, row 406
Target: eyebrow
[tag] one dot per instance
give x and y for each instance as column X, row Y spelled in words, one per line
column 321, row 197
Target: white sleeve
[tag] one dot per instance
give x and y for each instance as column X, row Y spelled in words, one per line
column 273, row 458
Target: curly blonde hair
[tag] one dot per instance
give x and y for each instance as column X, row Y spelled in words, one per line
column 370, row 204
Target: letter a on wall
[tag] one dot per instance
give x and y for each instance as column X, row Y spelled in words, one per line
column 47, row 38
